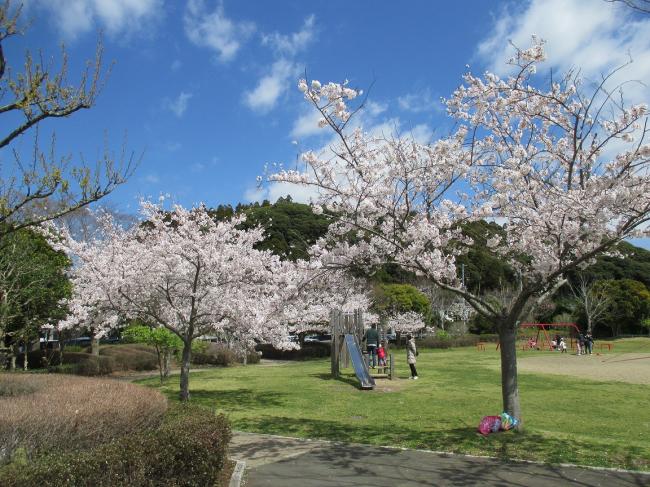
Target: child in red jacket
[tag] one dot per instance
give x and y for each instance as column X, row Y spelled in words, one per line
column 381, row 355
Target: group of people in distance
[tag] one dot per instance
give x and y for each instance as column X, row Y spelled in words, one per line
column 377, row 350
column 584, row 344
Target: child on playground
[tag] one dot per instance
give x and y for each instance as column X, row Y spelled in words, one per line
column 562, row 346
column 381, row 354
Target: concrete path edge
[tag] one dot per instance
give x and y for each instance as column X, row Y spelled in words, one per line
column 237, row 474
column 437, row 452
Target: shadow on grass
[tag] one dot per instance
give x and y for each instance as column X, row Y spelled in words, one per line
column 345, row 464
column 503, row 446
column 341, row 378
column 236, row 399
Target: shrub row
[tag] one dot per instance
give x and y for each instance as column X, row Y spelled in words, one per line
column 449, row 341
column 189, row 449
column 131, row 357
column 111, row 359
column 308, row 351
column 218, row 354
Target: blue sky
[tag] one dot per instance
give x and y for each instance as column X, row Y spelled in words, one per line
column 207, row 89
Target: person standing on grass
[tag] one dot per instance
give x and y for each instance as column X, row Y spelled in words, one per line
column 580, row 345
column 411, row 354
column 589, row 343
column 371, row 338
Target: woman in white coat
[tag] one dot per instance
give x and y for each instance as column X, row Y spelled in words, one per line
column 411, row 354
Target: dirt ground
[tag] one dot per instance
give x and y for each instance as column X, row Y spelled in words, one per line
column 623, row 367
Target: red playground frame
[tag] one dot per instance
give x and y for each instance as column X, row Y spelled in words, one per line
column 545, row 328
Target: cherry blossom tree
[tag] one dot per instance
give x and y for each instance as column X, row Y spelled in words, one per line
column 561, row 163
column 311, row 308
column 183, row 271
column 408, row 322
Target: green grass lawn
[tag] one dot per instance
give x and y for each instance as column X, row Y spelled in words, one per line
column 567, row 419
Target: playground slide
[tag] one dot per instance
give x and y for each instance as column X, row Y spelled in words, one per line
column 360, row 366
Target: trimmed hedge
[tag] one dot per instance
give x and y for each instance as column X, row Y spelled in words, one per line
column 189, row 449
column 219, row 354
column 131, row 357
column 308, row 351
column 111, row 358
column 445, row 342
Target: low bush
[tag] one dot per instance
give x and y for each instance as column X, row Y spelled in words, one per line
column 214, row 354
column 111, row 358
column 37, row 359
column 253, row 357
column 47, row 412
column 444, row 341
column 220, row 354
column 131, row 357
column 449, row 341
column 189, row 449
column 308, row 351
column 93, row 365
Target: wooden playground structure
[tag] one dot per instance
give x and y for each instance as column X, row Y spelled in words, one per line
column 347, row 338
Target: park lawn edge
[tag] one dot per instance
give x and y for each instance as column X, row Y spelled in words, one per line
column 538, row 445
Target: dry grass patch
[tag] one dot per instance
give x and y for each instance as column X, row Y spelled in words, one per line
column 47, row 412
column 633, row 368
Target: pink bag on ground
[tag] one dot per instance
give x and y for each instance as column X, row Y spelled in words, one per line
column 489, row 424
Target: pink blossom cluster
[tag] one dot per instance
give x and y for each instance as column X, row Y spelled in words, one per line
column 182, row 270
column 554, row 165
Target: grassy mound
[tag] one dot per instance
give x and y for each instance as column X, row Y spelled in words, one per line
column 43, row 412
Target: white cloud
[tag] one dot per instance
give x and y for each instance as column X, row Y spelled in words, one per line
column 422, row 101
column 299, row 194
column 176, row 65
column 271, row 86
column 214, row 30
column 386, row 128
column 421, row 133
column 124, row 17
column 151, row 179
column 306, row 124
column 179, row 105
column 375, row 108
column 592, row 36
column 290, row 45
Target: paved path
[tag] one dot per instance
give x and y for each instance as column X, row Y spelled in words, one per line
column 289, row 462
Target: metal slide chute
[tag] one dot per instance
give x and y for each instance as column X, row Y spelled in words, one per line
column 358, row 363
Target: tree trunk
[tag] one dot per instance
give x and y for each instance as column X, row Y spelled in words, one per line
column 185, row 370
column 167, row 363
column 509, row 387
column 94, row 346
column 589, row 324
column 159, row 354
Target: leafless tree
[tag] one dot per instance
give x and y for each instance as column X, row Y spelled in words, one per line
column 593, row 301
column 638, row 5
column 37, row 91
